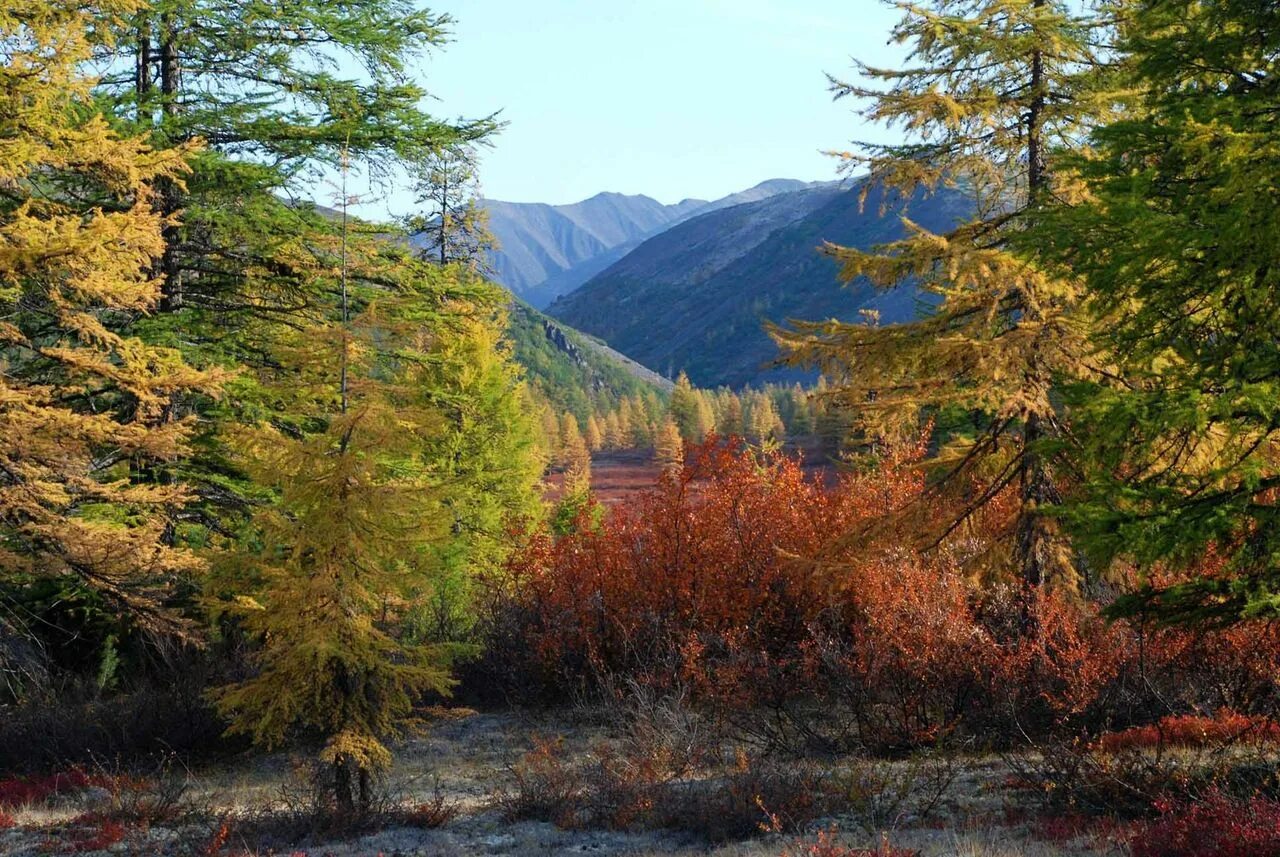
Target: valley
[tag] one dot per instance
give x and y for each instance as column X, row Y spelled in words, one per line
column 920, row 501
column 696, row 293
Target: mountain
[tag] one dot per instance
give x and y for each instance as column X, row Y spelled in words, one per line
column 548, row 250
column 695, row 296
column 571, row 370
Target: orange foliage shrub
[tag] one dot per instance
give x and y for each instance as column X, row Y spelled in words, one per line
column 717, row 556
column 752, row 587
column 1189, row 730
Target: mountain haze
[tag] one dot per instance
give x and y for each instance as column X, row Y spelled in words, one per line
column 695, row 297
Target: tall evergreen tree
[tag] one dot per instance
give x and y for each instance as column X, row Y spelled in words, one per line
column 689, row 410
column 668, row 449
column 330, row 576
column 729, row 423
column 284, row 95
column 992, row 87
column 482, row 459
column 1178, row 241
column 451, row 227
column 762, row 420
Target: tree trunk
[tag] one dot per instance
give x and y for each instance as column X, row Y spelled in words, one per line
column 1040, row 551
column 170, row 194
column 142, row 72
column 1042, row 558
column 366, row 790
column 343, row 788
column 1035, row 121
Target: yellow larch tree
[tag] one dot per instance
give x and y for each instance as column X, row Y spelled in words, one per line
column 991, row 88
column 85, row 431
column 333, row 569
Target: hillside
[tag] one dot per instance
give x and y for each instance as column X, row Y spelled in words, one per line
column 571, row 370
column 548, row 250
column 694, row 297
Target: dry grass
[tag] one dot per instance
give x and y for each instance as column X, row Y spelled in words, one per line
column 442, row 807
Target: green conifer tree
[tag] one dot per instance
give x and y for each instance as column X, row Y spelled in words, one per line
column 991, row 89
column 327, row 577
column 1177, row 243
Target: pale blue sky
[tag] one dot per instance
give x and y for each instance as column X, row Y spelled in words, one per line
column 670, row 98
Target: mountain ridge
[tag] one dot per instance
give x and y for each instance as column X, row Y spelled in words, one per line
column 546, row 250
column 694, row 297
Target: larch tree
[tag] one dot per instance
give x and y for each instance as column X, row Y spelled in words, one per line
column 762, row 420
column 549, row 436
column 686, row 411
column 729, row 423
column 286, row 96
column 613, row 436
column 594, row 436
column 641, row 423
column 575, row 458
column 991, row 88
column 83, row 403
column 1178, row 242
column 332, row 576
column 451, row 226
column 669, row 445
column 482, row 461
column 801, row 413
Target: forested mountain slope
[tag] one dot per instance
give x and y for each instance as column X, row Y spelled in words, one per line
column 694, row 297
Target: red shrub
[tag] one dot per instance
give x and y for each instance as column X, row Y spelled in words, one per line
column 20, row 791
column 6, row 821
column 757, row 588
column 704, row 559
column 1213, row 827
column 218, row 841
column 1190, row 730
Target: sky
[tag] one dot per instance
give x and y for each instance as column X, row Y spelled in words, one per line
column 669, row 98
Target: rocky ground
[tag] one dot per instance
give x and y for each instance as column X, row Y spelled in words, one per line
column 465, row 762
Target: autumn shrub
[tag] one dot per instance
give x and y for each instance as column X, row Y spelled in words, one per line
column 1214, row 826
column 756, row 795
column 736, row 578
column 1128, row 783
column 731, row 578
column 545, row 787
column 690, row 564
column 436, row 811
column 616, row 788
column 803, row 613
column 1192, row 730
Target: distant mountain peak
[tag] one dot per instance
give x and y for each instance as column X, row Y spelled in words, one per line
column 694, row 297
column 545, row 251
